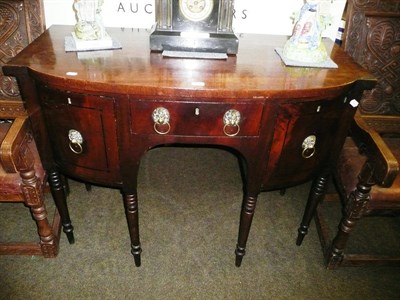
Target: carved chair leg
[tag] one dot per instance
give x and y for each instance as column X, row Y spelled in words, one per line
column 132, row 216
column 317, row 193
column 34, row 199
column 355, row 208
column 59, row 196
column 48, row 242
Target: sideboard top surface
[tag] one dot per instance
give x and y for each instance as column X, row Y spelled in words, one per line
column 256, row 72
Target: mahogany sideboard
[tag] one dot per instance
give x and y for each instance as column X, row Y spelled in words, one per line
column 95, row 114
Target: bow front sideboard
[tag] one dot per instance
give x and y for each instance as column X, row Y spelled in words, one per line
column 95, row 114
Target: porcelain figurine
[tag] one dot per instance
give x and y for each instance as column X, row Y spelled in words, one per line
column 305, row 44
column 89, row 24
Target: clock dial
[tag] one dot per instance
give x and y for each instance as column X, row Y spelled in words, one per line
column 196, row 10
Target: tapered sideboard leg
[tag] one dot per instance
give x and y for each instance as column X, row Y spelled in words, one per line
column 317, row 192
column 60, row 198
column 246, row 217
column 132, row 216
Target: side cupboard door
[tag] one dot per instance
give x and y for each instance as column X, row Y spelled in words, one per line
column 83, row 133
column 307, row 137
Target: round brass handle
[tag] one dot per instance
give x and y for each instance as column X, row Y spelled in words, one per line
column 229, row 132
column 308, row 146
column 159, row 128
column 231, row 122
column 75, row 141
column 161, row 119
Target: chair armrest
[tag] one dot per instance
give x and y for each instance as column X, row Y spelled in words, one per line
column 386, row 166
column 13, row 149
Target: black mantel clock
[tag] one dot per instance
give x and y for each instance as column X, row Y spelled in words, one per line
column 195, row 26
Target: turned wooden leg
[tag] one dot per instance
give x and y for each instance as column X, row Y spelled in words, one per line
column 65, row 184
column 354, row 210
column 48, row 243
column 132, row 216
column 60, row 198
column 34, row 199
column 317, row 193
column 246, row 217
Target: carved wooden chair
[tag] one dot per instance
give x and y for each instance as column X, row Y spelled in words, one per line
column 367, row 177
column 368, row 183
column 23, row 180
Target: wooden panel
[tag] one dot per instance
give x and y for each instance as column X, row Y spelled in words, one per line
column 20, row 23
column 287, row 163
column 196, row 118
column 93, row 117
column 372, row 38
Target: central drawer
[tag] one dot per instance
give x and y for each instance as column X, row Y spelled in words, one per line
column 195, row 118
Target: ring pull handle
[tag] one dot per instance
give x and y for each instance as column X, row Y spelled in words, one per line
column 308, row 146
column 161, row 119
column 75, row 141
column 231, row 122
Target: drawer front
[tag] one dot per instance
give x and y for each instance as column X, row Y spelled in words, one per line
column 305, row 139
column 196, row 118
column 82, row 131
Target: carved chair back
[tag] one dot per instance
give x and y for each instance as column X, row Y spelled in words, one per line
column 21, row 22
column 372, row 38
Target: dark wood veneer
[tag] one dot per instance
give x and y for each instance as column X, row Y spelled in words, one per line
column 110, row 97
